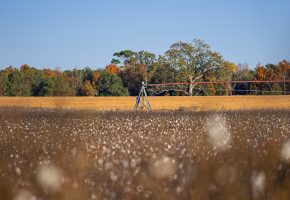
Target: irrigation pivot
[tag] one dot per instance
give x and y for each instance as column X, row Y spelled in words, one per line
column 142, row 100
column 231, row 86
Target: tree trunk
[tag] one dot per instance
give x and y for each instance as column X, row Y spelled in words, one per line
column 191, row 86
column 229, row 89
column 284, row 86
column 191, row 89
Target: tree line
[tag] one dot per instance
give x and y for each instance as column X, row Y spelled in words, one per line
column 183, row 62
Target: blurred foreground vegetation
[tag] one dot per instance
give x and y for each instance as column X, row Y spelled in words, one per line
column 61, row 154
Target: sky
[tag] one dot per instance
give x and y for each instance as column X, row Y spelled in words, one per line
column 76, row 34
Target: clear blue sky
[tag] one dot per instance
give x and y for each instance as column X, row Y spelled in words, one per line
column 74, row 33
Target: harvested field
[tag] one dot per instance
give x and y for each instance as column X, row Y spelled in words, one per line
column 69, row 154
column 197, row 103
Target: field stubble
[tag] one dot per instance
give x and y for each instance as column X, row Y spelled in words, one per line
column 196, row 103
column 62, row 154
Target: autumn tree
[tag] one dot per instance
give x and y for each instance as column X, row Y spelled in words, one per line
column 3, row 83
column 95, row 83
column 266, row 73
column 76, row 80
column 243, row 74
column 128, row 57
column 225, row 74
column 18, row 84
column 124, row 57
column 135, row 68
column 133, row 75
column 61, row 86
column 50, row 73
column 87, row 89
column 45, row 88
column 113, row 69
column 111, row 85
column 163, row 72
column 283, row 71
column 194, row 61
column 146, row 58
column 32, row 77
column 263, row 73
column 88, row 74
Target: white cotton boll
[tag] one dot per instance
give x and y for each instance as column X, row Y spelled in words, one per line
column 285, row 151
column 125, row 163
column 100, row 161
column 258, row 184
column 108, row 165
column 162, row 168
column 219, row 135
column 24, row 195
column 49, row 177
column 113, row 176
column 18, row 171
column 133, row 163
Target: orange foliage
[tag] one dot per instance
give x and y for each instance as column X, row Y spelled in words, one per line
column 283, row 69
column 50, row 73
column 263, row 73
column 113, row 69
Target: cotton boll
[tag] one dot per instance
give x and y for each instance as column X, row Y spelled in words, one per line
column 113, row 176
column 49, row 177
column 108, row 165
column 18, row 171
column 258, row 184
column 285, row 151
column 24, row 195
column 162, row 168
column 219, row 135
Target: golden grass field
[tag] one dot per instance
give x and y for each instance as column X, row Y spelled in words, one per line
column 198, row 103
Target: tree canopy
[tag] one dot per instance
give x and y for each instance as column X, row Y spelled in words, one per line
column 194, row 61
column 182, row 62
